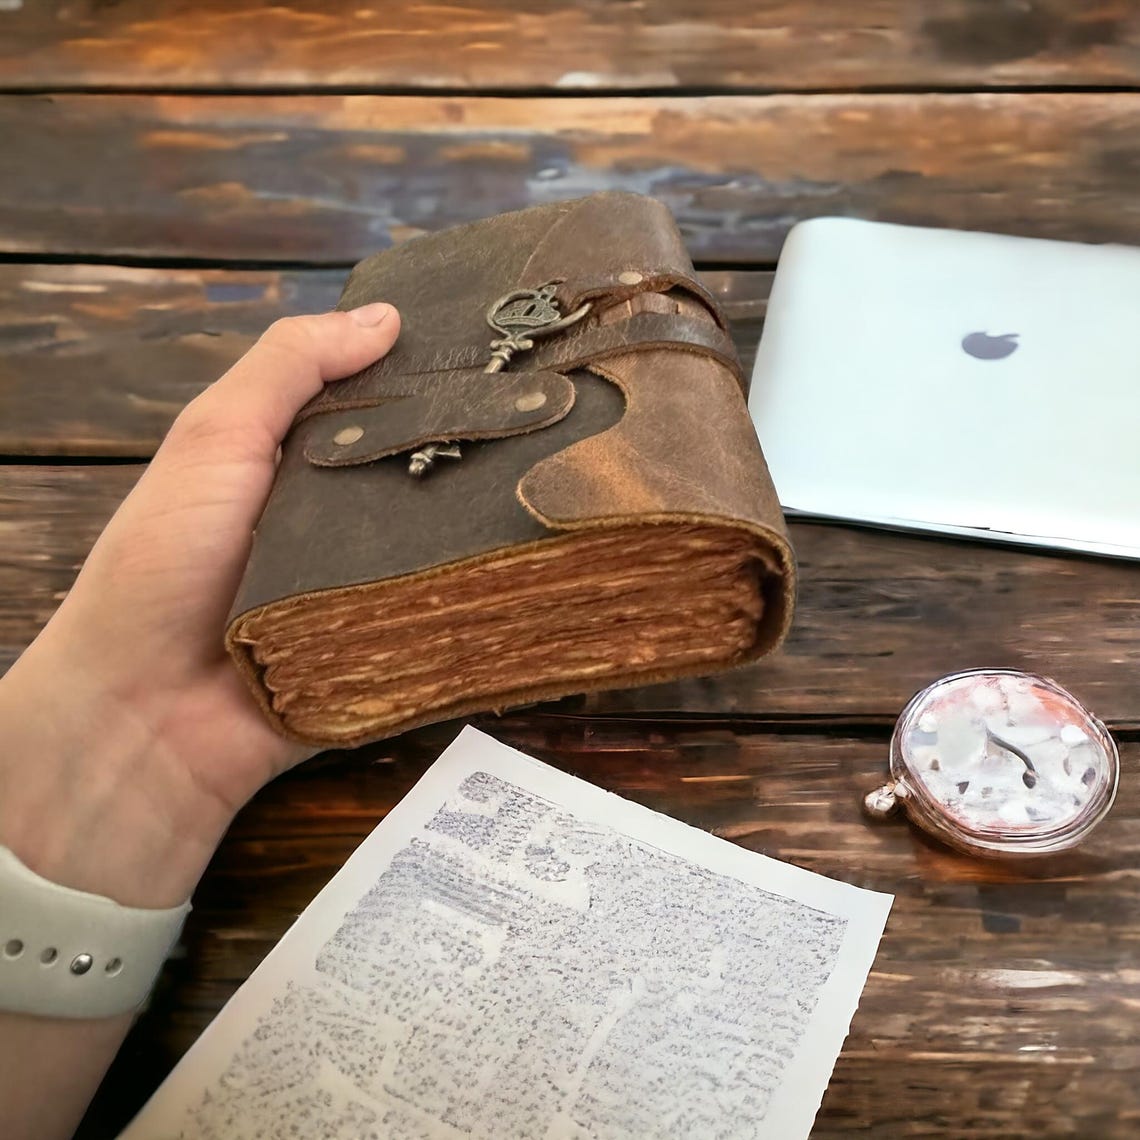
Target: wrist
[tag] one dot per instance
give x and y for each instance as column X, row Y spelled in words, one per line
column 89, row 797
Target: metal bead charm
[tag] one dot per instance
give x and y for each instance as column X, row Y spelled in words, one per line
column 423, row 461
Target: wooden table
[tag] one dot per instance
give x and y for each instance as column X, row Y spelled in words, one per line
column 173, row 177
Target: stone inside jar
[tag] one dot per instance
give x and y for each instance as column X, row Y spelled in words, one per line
column 1004, row 753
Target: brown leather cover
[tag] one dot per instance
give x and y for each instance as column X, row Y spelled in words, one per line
column 611, row 521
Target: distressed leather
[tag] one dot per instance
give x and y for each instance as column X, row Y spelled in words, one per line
column 610, row 479
column 456, row 405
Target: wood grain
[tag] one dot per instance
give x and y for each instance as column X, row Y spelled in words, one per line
column 328, row 179
column 716, row 45
column 1001, row 1003
column 98, row 360
column 879, row 615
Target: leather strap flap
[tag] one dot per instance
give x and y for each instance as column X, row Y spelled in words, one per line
column 437, row 407
column 591, row 344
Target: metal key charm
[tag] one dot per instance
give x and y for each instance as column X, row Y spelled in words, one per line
column 523, row 316
column 520, row 317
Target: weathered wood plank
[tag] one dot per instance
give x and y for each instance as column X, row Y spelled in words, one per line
column 717, row 44
column 327, row 179
column 1001, row 1003
column 98, row 360
column 879, row 615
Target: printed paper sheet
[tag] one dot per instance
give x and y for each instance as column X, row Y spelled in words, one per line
column 514, row 953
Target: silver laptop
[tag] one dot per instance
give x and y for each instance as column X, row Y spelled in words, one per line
column 963, row 383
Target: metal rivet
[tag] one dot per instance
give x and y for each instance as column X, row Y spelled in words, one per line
column 531, row 402
column 13, row 948
column 347, row 435
column 48, row 955
column 630, row 278
column 81, row 963
column 113, row 967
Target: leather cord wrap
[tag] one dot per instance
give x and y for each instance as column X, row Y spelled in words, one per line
column 415, row 407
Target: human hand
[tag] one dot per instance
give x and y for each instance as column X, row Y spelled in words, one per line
column 127, row 739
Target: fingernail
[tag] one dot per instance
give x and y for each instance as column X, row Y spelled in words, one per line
column 369, row 315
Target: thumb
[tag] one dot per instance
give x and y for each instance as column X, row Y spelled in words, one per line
column 246, row 414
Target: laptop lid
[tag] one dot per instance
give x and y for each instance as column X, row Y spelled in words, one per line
column 963, row 383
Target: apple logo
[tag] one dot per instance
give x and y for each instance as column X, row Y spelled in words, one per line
column 982, row 346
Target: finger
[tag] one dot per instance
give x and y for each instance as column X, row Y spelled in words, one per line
column 248, row 412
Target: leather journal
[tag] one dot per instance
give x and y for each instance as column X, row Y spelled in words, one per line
column 550, row 486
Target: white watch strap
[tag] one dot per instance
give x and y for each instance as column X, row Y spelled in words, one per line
column 65, row 953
